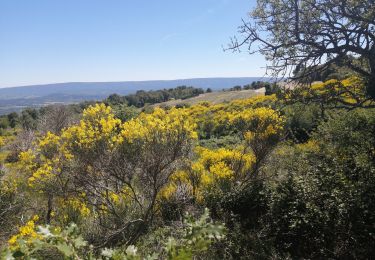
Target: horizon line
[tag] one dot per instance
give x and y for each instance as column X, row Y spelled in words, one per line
column 148, row 80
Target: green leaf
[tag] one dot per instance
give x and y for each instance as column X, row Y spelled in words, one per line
column 65, row 249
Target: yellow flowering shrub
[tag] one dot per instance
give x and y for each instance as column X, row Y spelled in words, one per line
column 310, row 146
column 254, row 102
column 2, row 141
column 43, row 163
column 222, row 164
column 350, row 91
column 260, row 128
column 213, row 119
column 220, row 168
column 139, row 162
column 159, row 126
column 75, row 203
column 97, row 125
column 100, row 157
column 346, row 88
column 168, row 191
column 27, row 160
column 259, row 123
column 26, row 232
column 179, row 178
column 50, row 140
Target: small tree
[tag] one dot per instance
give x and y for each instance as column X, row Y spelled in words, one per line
column 236, row 88
column 29, row 119
column 13, row 119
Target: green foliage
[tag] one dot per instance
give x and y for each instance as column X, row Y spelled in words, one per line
column 13, row 119
column 227, row 141
column 323, row 207
column 125, row 113
column 4, row 123
column 10, row 206
column 29, row 119
column 271, row 89
column 235, row 88
column 302, row 120
column 198, row 235
column 142, row 98
column 66, row 244
column 330, row 71
column 257, row 85
column 196, row 238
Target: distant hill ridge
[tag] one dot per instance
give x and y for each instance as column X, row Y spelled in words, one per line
column 17, row 98
column 123, row 87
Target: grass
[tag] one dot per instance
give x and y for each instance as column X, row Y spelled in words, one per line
column 214, row 97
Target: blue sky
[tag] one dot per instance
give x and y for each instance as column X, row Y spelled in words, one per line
column 47, row 41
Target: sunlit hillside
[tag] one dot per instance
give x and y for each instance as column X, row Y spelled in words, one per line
column 215, row 97
column 116, row 177
column 256, row 140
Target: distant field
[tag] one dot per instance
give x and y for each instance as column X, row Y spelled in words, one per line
column 215, row 97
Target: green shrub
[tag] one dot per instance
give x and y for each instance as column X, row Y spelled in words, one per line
column 324, row 202
column 196, row 237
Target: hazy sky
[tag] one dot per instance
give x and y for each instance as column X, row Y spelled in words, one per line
column 46, row 41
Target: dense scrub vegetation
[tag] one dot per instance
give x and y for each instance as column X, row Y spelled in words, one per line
column 264, row 178
column 28, row 118
column 141, row 98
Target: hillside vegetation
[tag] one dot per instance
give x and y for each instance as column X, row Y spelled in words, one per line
column 214, row 97
column 15, row 99
column 265, row 177
column 228, row 175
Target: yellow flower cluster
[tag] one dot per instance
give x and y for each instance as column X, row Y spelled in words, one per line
column 260, row 123
column 2, row 141
column 160, row 126
column 213, row 168
column 217, row 116
column 98, row 124
column 40, row 164
column 351, row 90
column 49, row 139
column 26, row 232
column 27, row 160
column 254, row 102
column 222, row 164
column 8, row 186
column 206, row 108
column 168, row 191
column 43, row 173
column 310, row 146
column 78, row 205
column 178, row 178
column 114, row 197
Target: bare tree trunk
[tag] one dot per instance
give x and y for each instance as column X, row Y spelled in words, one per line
column 49, row 210
column 371, row 82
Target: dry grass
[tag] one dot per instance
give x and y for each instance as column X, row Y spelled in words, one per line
column 215, row 97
